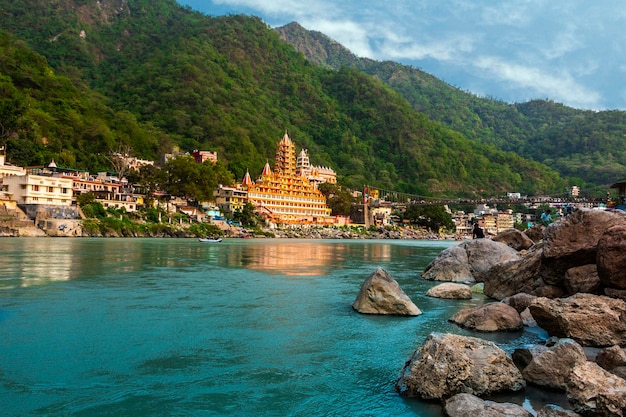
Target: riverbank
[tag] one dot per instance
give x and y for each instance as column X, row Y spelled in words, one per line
column 90, row 228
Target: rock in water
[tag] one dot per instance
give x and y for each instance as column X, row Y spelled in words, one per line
column 490, row 317
column 449, row 364
column 381, row 294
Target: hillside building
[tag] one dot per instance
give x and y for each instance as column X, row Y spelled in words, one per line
column 315, row 174
column 39, row 189
column 8, row 170
column 285, row 196
column 231, row 199
column 201, row 156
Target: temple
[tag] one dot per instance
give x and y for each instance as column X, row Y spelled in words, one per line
column 285, row 195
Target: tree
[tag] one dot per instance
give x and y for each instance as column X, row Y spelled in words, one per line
column 183, row 176
column 338, row 199
column 246, row 215
column 432, row 217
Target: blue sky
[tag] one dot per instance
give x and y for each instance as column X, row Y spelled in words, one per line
column 569, row 51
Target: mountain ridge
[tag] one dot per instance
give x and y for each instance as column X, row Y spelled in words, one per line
column 177, row 78
column 533, row 129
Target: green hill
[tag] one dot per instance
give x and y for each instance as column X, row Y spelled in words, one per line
column 585, row 146
column 151, row 75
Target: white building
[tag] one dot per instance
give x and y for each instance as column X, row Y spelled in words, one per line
column 8, row 170
column 315, row 174
column 39, row 189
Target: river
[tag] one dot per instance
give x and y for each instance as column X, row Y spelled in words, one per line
column 245, row 327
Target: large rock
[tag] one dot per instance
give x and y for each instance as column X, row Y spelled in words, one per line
column 448, row 364
column 381, row 294
column 451, row 290
column 515, row 239
column 523, row 356
column 520, row 301
column 551, row 367
column 491, row 317
column 592, row 391
column 611, row 358
column 611, row 258
column 517, row 275
column 591, row 320
column 468, row 405
column 535, row 233
column 450, row 265
column 573, row 241
column 582, row 279
column 468, row 261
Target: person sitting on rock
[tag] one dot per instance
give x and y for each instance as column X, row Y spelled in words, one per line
column 477, row 233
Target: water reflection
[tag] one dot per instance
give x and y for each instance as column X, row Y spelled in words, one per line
column 40, row 264
column 304, row 258
column 35, row 261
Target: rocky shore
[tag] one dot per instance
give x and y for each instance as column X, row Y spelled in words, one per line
column 567, row 279
column 89, row 228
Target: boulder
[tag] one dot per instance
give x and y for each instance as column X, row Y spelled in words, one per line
column 448, row 364
column 517, row 275
column 468, row 405
column 515, row 239
column 573, row 241
column 450, row 265
column 468, row 261
column 611, row 358
column 614, row 293
column 451, row 290
column 611, row 257
column 591, row 320
column 551, row 410
column 528, row 319
column 491, row 317
column 524, row 356
column 381, row 294
column 592, row 391
column 535, row 233
column 582, row 279
column 550, row 368
column 519, row 302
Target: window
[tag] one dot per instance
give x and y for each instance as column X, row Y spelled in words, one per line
column 35, row 188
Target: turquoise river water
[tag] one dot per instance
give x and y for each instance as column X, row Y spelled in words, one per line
column 175, row 327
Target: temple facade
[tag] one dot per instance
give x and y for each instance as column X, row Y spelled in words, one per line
column 314, row 173
column 286, row 196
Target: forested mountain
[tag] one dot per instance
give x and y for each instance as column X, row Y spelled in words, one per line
column 589, row 147
column 84, row 78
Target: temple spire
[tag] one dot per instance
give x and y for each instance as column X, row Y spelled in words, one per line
column 246, row 179
column 266, row 169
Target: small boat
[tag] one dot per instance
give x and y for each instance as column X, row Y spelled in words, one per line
column 210, row 239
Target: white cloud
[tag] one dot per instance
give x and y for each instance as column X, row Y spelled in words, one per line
column 561, row 87
column 349, row 34
column 570, row 51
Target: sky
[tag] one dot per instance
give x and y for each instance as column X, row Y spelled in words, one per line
column 569, row 51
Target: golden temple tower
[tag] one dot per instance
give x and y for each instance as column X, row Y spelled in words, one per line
column 285, row 197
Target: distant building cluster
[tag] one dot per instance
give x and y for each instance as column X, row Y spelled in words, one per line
column 288, row 194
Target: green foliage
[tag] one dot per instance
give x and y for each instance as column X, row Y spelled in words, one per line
column 246, row 216
column 586, row 146
column 151, row 75
column 338, row 198
column 94, row 210
column 204, row 230
column 433, row 218
column 182, row 176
